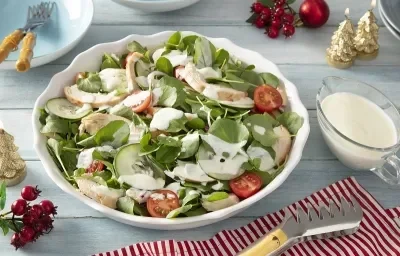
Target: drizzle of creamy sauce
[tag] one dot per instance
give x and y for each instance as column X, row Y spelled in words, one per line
column 138, row 195
column 84, row 108
column 191, row 172
column 191, row 116
column 85, row 158
column 209, row 72
column 136, row 99
column 176, row 57
column 136, row 133
column 157, row 196
column 106, row 191
column 175, row 187
column 157, row 92
column 267, row 162
column 151, row 78
column 87, row 97
column 220, row 146
column 113, row 78
column 259, row 129
column 142, row 181
column 163, row 117
column 218, row 186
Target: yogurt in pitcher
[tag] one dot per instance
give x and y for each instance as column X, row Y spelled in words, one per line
column 362, row 121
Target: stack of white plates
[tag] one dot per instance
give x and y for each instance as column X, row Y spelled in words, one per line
column 390, row 13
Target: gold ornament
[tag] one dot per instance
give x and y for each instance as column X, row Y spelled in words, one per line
column 366, row 40
column 342, row 53
column 12, row 167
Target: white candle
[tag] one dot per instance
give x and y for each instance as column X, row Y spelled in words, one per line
column 373, row 4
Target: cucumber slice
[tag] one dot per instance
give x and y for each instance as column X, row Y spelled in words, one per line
column 139, row 172
column 142, row 68
column 245, row 104
column 61, row 107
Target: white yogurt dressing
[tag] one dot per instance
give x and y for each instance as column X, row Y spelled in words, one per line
column 157, row 92
column 218, row 186
column 362, row 121
column 176, row 57
column 151, row 78
column 163, row 117
column 209, row 72
column 142, row 181
column 191, row 172
column 220, row 146
column 259, row 129
column 136, row 99
column 84, row 108
column 267, row 162
column 138, row 195
column 113, row 78
column 85, row 158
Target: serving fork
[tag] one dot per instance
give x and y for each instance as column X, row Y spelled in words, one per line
column 37, row 16
column 324, row 222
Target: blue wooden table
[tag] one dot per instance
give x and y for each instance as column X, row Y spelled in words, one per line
column 79, row 230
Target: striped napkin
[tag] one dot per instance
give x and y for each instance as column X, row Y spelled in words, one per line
column 379, row 234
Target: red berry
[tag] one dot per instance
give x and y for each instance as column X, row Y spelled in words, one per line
column 288, row 30
column 279, row 11
column 28, row 219
column 27, row 234
column 260, row 23
column 273, row 32
column 40, row 227
column 30, row 193
column 16, row 241
column 288, row 18
column 19, row 207
column 276, row 22
column 45, row 224
column 266, row 13
column 48, row 207
column 36, row 210
column 257, row 7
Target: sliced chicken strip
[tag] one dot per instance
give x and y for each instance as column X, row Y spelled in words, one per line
column 94, row 122
column 130, row 71
column 100, row 193
column 192, row 77
column 282, row 145
column 96, row 100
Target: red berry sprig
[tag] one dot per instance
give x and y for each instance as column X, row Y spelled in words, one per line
column 28, row 221
column 274, row 19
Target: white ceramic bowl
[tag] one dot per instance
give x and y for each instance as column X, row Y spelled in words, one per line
column 89, row 61
column 156, row 5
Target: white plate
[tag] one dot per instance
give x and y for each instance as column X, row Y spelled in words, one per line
column 156, row 5
column 391, row 11
column 394, row 32
column 89, row 61
column 68, row 23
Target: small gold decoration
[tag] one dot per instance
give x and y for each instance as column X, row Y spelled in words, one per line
column 12, row 167
column 342, row 53
column 366, row 40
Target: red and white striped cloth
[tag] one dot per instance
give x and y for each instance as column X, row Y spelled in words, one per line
column 379, row 235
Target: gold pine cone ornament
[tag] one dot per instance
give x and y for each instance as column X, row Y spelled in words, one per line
column 12, row 166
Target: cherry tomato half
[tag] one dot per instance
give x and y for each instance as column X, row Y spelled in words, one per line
column 267, row 98
column 246, row 184
column 162, row 202
column 96, row 166
column 141, row 104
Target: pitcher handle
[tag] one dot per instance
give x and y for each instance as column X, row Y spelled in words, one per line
column 390, row 176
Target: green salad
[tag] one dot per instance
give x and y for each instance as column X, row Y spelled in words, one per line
column 176, row 131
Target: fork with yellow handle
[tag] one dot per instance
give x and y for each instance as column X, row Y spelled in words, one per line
column 38, row 15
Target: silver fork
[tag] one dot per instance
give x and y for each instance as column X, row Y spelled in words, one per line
column 37, row 16
column 326, row 222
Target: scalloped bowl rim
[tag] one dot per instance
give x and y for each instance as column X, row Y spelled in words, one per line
column 159, row 223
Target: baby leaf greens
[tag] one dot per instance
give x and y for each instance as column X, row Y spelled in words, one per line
column 170, row 131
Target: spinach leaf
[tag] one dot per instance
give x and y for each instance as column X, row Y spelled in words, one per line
column 68, row 157
column 197, row 186
column 270, row 79
column 164, row 65
column 191, row 198
column 168, row 96
column 180, row 210
column 55, row 124
column 188, row 43
column 265, row 176
column 43, row 116
column 177, row 125
column 196, row 124
column 237, row 83
column 229, row 130
column 167, row 154
column 3, row 195
column 88, row 142
column 110, row 61
column 292, row 121
column 114, row 134
column 251, row 77
column 128, row 205
column 216, row 196
column 55, row 150
column 195, row 212
column 169, row 141
column 221, row 58
column 92, row 83
column 261, row 127
column 190, row 145
column 135, row 46
column 171, row 81
column 173, row 41
column 204, row 53
column 123, row 111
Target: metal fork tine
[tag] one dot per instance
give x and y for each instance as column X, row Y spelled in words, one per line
column 356, row 205
column 323, row 212
column 312, row 214
column 334, row 210
column 345, row 205
column 302, row 216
